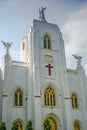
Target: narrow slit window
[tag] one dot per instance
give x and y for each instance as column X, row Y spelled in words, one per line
column 23, row 46
column 74, row 100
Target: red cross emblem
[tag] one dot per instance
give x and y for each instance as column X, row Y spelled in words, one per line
column 49, row 68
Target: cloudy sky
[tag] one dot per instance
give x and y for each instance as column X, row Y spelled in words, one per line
column 70, row 15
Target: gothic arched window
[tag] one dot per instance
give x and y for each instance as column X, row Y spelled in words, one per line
column 47, row 42
column 76, row 125
column 49, row 97
column 18, row 97
column 74, row 100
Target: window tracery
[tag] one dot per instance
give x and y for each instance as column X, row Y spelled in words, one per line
column 49, row 97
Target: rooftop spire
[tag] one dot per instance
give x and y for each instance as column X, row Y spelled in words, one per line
column 41, row 13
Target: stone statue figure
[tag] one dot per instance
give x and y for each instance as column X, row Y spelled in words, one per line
column 7, row 45
column 41, row 13
column 78, row 59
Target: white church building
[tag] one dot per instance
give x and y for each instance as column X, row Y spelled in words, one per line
column 40, row 87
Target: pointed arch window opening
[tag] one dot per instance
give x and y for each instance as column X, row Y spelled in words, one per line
column 74, row 101
column 47, row 42
column 49, row 97
column 18, row 97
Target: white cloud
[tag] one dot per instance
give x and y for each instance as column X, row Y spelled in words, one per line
column 75, row 35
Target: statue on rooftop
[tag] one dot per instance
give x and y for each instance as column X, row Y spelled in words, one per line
column 41, row 13
column 7, row 45
column 78, row 59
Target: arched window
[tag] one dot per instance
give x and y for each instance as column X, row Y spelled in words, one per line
column 18, row 97
column 74, row 100
column 49, row 97
column 47, row 42
column 76, row 125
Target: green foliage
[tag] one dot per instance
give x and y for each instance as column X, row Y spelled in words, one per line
column 29, row 125
column 47, row 125
column 15, row 125
column 2, row 126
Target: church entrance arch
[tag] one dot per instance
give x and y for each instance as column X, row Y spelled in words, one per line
column 19, row 123
column 53, row 123
column 20, row 126
column 76, row 125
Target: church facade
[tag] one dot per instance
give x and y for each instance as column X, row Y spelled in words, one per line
column 40, row 87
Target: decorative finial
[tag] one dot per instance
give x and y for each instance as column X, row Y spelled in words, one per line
column 41, row 13
column 78, row 59
column 7, row 45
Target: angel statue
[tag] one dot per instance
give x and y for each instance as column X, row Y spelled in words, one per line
column 7, row 45
column 41, row 13
column 78, row 59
